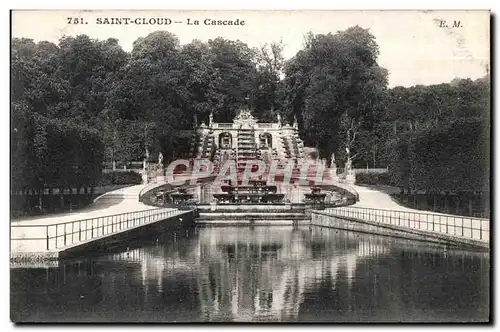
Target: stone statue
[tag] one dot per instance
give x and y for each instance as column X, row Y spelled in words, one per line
column 332, row 161
column 348, row 165
column 295, row 123
column 160, row 159
column 244, row 119
column 279, row 119
column 210, row 119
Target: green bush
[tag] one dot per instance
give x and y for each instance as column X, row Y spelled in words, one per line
column 373, row 178
column 120, row 178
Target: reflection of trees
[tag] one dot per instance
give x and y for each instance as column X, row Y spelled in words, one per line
column 248, row 274
column 261, row 274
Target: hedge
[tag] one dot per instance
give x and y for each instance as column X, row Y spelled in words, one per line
column 120, row 178
column 373, row 178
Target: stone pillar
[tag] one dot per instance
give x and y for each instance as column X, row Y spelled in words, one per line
column 199, row 193
column 350, row 177
column 333, row 174
column 144, row 172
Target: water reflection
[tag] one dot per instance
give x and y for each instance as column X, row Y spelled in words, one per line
column 261, row 274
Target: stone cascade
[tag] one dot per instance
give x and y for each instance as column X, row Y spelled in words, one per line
column 293, row 146
column 221, row 156
column 279, row 148
column 200, row 140
column 251, row 214
column 205, row 146
column 246, row 149
column 246, row 140
column 193, row 145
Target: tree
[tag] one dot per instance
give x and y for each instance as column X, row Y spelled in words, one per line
column 50, row 146
column 197, row 76
column 234, row 68
column 150, row 90
column 266, row 97
column 337, row 87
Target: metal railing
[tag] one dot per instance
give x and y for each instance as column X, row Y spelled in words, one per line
column 466, row 227
column 65, row 234
column 370, row 170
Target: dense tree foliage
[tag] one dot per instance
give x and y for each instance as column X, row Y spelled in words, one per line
column 432, row 138
column 136, row 103
column 337, row 88
column 267, row 94
column 165, row 85
column 57, row 93
column 51, row 153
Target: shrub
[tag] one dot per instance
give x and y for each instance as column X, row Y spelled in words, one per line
column 120, row 178
column 373, row 178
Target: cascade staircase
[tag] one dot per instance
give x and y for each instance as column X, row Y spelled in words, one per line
column 247, row 148
column 204, row 147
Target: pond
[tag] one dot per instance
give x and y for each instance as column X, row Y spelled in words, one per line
column 259, row 274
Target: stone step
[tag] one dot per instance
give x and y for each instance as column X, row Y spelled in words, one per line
column 276, row 222
column 249, row 216
column 220, row 209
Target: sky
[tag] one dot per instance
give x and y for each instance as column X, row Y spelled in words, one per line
column 416, row 47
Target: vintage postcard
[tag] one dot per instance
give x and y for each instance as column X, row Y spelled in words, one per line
column 250, row 166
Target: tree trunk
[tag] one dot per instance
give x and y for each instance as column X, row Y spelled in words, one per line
column 40, row 200
column 434, row 202
column 50, row 200
column 470, row 205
